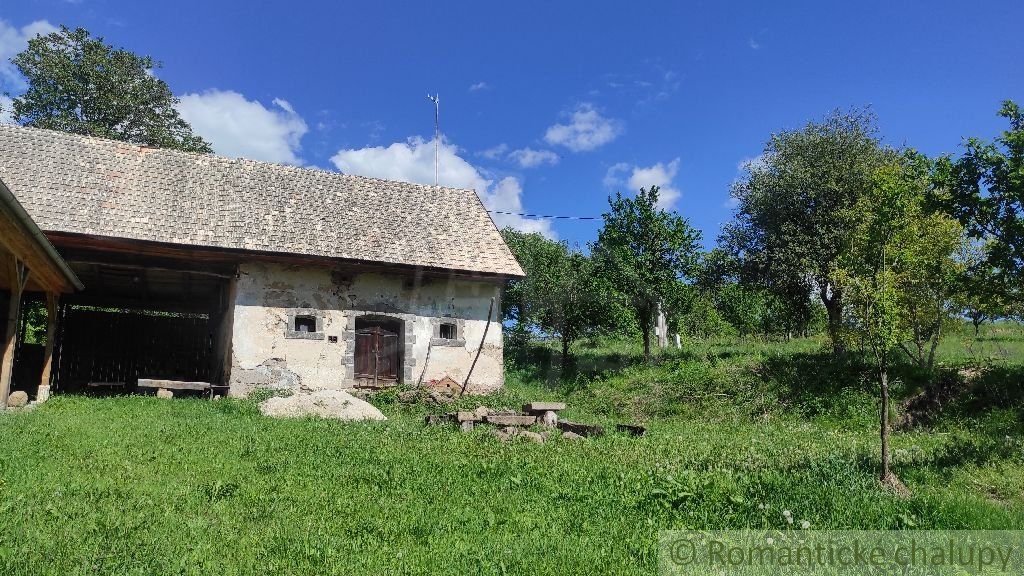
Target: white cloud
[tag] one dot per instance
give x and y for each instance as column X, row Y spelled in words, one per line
column 13, row 41
column 587, row 129
column 245, row 128
column 413, row 161
column 611, row 177
column 495, row 152
column 754, row 44
column 6, row 116
column 479, row 86
column 530, row 158
column 661, row 175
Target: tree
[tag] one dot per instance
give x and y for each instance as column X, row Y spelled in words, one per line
column 79, row 84
column 561, row 294
column 644, row 251
column 896, row 247
column 984, row 189
column 982, row 296
column 794, row 214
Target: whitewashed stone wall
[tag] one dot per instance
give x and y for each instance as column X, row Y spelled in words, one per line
column 267, row 352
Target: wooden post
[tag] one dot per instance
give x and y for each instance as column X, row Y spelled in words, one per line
column 43, row 394
column 18, row 275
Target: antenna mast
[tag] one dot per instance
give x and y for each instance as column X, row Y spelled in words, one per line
column 436, row 99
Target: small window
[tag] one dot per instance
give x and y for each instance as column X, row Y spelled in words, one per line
column 305, row 324
column 447, row 331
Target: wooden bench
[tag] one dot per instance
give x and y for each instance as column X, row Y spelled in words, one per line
column 169, row 385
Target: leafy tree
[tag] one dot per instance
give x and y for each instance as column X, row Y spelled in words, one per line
column 79, row 84
column 896, row 263
column 985, row 190
column 561, row 295
column 982, row 295
column 794, row 215
column 644, row 251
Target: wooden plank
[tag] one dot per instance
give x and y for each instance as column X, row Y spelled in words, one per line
column 587, row 430
column 631, row 429
column 543, row 406
column 173, row 384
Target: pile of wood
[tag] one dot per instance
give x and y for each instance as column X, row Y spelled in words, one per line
column 508, row 424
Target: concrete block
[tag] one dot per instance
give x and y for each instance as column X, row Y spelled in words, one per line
column 164, row 393
column 465, row 416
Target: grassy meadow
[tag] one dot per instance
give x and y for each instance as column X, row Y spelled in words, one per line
column 737, row 433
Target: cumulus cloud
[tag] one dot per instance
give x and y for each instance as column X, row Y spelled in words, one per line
column 530, row 158
column 479, row 86
column 12, row 41
column 413, row 161
column 245, row 128
column 586, row 130
column 661, row 175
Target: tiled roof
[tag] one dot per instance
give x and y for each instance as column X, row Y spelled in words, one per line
column 84, row 185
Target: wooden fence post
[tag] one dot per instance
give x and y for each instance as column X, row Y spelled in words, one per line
column 18, row 275
column 43, row 393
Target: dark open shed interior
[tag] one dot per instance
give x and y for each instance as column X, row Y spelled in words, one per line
column 157, row 318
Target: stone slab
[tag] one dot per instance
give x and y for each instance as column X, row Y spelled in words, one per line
column 465, row 416
column 511, row 420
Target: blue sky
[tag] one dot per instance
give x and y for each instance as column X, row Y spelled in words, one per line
column 547, row 107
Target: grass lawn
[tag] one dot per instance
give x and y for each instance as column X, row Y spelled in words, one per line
column 737, row 433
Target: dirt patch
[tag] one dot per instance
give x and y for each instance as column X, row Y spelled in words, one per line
column 923, row 408
column 336, row 404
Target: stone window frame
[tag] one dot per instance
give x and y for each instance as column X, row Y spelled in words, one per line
column 408, row 342
column 435, row 331
column 291, row 333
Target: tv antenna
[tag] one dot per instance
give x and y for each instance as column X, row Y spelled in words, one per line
column 436, row 99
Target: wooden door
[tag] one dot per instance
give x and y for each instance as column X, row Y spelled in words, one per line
column 377, row 355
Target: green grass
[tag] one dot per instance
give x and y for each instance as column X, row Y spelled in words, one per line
column 737, row 432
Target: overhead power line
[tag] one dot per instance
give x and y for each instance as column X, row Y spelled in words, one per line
column 545, row 216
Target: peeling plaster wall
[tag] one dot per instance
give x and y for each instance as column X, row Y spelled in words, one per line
column 266, row 352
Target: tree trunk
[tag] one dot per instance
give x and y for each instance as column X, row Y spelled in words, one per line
column 884, row 420
column 935, row 345
column 565, row 352
column 977, row 324
column 645, row 327
column 834, row 306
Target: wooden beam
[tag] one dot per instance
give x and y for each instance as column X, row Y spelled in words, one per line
column 18, row 275
column 173, row 384
column 51, row 333
column 85, row 248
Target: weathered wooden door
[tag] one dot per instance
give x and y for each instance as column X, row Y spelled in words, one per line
column 377, row 355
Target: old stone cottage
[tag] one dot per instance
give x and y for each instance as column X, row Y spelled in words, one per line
column 249, row 274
